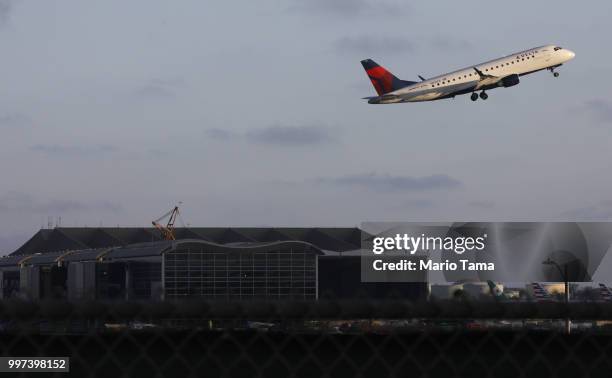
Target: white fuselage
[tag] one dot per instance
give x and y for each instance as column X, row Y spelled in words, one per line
column 521, row 63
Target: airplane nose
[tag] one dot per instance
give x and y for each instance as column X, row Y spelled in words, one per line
column 570, row 54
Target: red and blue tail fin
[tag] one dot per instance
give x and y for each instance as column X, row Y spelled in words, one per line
column 383, row 80
column 539, row 293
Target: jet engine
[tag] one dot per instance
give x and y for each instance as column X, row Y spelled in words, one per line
column 510, row 81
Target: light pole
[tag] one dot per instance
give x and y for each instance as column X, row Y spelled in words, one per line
column 564, row 275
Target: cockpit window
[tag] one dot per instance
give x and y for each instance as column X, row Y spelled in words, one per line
column 558, row 48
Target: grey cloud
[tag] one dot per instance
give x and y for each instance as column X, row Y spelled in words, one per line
column 349, row 7
column 279, row 135
column 220, row 134
column 290, row 135
column 387, row 182
column 482, row 204
column 6, row 7
column 372, row 45
column 156, row 153
column 10, row 243
column 14, row 120
column 419, row 204
column 388, row 45
column 599, row 109
column 154, row 92
column 158, row 89
column 445, row 42
column 599, row 212
column 54, row 150
column 15, row 202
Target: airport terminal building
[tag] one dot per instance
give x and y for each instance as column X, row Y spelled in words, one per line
column 210, row 263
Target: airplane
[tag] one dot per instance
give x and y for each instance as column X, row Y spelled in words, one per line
column 605, row 293
column 503, row 72
column 497, row 291
column 539, row 293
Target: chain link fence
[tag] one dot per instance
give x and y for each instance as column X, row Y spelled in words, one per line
column 312, row 339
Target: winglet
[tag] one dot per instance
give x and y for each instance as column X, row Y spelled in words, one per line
column 421, row 77
column 479, row 72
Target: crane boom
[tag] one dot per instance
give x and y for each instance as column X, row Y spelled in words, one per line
column 167, row 231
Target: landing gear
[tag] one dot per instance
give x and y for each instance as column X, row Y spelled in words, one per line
column 552, row 69
column 474, row 96
column 484, row 95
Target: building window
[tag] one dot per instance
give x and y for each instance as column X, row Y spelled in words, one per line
column 283, row 271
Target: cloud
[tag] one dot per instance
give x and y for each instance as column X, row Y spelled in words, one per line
column 599, row 212
column 447, row 42
column 419, row 204
column 16, row 202
column 220, row 134
column 14, row 120
column 599, row 109
column 54, row 150
column 350, row 7
column 158, row 89
column 6, row 7
column 387, row 183
column 10, row 243
column 372, row 45
column 290, row 135
column 482, row 204
column 278, row 135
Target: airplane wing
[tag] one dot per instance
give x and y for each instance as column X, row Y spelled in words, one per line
column 487, row 80
column 444, row 92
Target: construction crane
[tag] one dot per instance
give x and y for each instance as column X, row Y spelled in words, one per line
column 167, row 231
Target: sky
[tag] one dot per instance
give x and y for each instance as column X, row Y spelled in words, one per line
column 250, row 114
